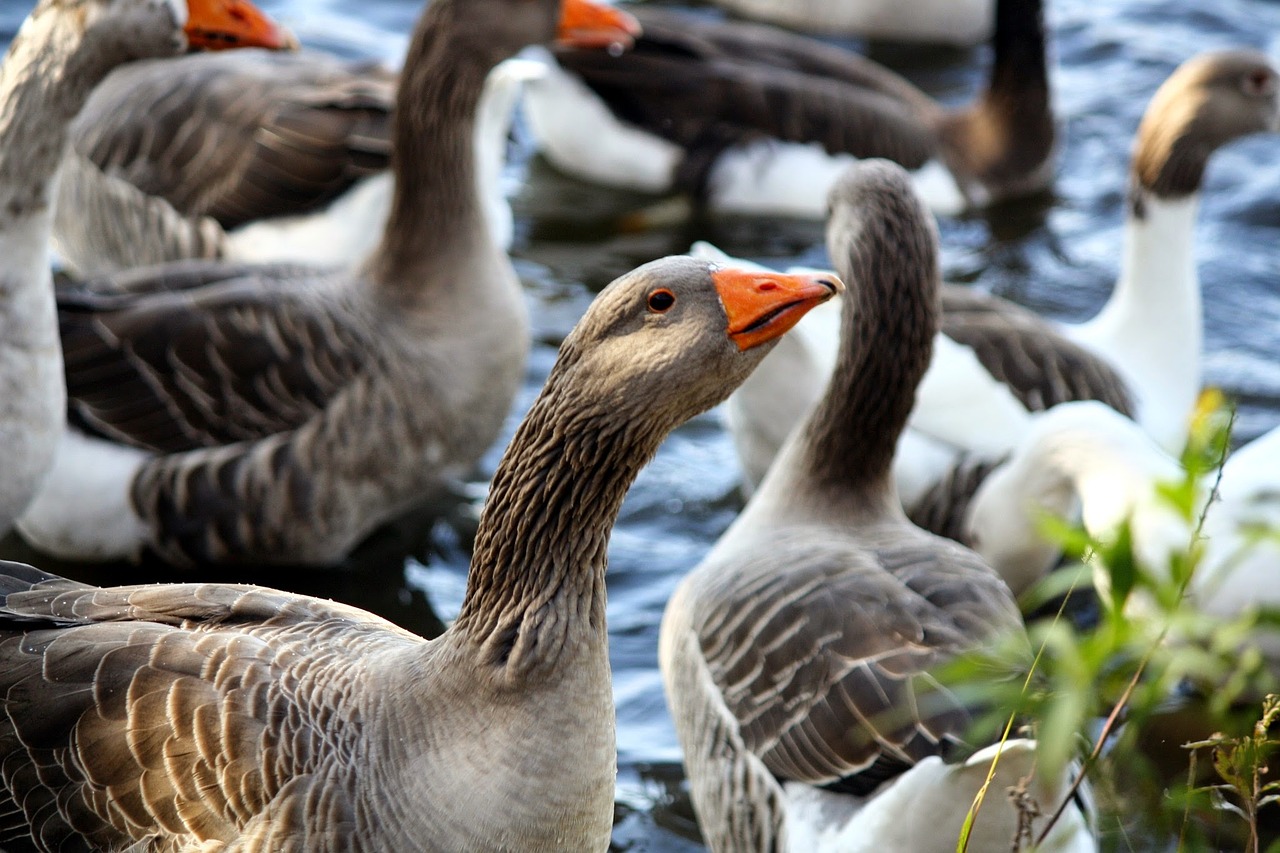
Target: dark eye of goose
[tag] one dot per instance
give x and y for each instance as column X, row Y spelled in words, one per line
column 1259, row 82
column 660, row 301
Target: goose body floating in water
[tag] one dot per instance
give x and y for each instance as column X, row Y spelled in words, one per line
column 278, row 414
column 756, row 120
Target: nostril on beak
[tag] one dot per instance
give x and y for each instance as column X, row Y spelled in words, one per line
column 766, row 286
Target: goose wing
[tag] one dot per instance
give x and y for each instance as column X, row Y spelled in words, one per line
column 1041, row 366
column 238, row 138
column 203, row 354
column 709, row 85
column 825, row 666
column 192, row 713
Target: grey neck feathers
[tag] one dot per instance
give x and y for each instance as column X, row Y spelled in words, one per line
column 886, row 340
column 435, row 211
column 537, row 571
column 45, row 80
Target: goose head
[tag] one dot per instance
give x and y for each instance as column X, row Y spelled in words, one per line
column 1210, row 100
column 673, row 337
column 496, row 29
column 123, row 30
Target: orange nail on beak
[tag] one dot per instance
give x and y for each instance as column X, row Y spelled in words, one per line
column 223, row 24
column 589, row 24
column 762, row 306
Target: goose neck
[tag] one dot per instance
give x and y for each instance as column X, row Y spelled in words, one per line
column 45, row 79
column 535, row 594
column 436, row 215
column 886, row 342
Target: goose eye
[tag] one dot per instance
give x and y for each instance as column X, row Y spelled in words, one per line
column 660, row 301
column 1259, row 82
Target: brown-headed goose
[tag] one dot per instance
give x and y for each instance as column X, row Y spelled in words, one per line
column 1141, row 354
column 797, row 655
column 262, row 157
column 206, row 716
column 62, row 50
column 958, row 22
column 758, row 120
column 1086, row 458
column 279, row 414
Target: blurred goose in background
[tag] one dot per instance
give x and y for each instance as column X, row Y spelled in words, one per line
column 1141, row 354
column 956, row 22
column 252, row 157
column 1086, row 458
column 207, row 716
column 797, row 655
column 758, row 120
column 57, row 57
column 278, row 414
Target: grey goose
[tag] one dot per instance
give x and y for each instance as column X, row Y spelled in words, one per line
column 276, row 413
column 797, row 656
column 219, row 717
column 753, row 119
column 62, row 50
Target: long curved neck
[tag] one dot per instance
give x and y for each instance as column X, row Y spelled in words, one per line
column 1006, row 138
column 537, row 571
column 436, row 215
column 1152, row 325
column 886, row 341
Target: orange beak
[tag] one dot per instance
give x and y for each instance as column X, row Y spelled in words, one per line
column 223, row 24
column 763, row 306
column 586, row 23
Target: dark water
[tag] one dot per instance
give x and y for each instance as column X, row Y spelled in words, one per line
column 1057, row 255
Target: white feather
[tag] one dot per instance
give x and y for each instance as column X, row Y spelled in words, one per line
column 580, row 136
column 83, row 511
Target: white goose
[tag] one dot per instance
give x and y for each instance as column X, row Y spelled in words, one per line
column 1088, row 458
column 53, row 63
column 797, row 655
column 1141, row 354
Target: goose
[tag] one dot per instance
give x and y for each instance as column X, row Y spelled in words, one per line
column 230, row 413
column 954, row 22
column 757, row 120
column 796, row 655
column 216, row 716
column 1141, row 354
column 1086, row 458
column 254, row 157
column 60, row 52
